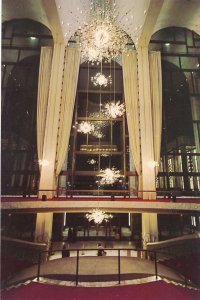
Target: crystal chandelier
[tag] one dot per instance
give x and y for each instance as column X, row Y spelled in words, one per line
column 98, row 216
column 114, row 110
column 101, row 38
column 101, row 80
column 109, row 176
column 91, row 161
column 85, row 127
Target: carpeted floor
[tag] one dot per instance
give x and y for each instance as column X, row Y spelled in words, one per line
column 158, row 290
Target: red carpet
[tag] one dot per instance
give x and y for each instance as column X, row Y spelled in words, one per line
column 189, row 266
column 159, row 290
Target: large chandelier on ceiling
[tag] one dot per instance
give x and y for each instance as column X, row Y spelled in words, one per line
column 98, row 216
column 108, row 176
column 101, row 38
column 114, row 110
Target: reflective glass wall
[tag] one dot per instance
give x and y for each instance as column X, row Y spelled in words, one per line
column 180, row 153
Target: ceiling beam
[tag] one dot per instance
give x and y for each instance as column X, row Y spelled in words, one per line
column 150, row 22
column 54, row 21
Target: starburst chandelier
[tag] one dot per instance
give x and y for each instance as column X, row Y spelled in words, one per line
column 101, row 38
column 101, row 80
column 98, row 216
column 85, row 127
column 91, row 161
column 108, row 176
column 114, row 110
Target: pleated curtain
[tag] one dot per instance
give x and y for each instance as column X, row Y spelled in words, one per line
column 156, row 98
column 129, row 67
column 68, row 94
column 43, row 93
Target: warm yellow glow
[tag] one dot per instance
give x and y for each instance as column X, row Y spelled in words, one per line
column 98, row 216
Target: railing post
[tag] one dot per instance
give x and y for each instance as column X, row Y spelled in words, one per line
column 186, row 282
column 119, row 272
column 77, row 265
column 39, row 263
column 156, row 267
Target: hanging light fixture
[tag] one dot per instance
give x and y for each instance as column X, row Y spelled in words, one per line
column 101, row 38
column 85, row 127
column 91, row 161
column 108, row 176
column 114, row 110
column 98, row 216
column 101, row 80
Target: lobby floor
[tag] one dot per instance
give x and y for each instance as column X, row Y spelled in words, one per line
column 93, row 268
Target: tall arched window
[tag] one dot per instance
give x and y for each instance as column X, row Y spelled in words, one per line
column 21, row 43
column 107, row 146
column 180, row 154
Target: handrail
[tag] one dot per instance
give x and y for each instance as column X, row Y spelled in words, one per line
column 187, row 281
column 96, row 249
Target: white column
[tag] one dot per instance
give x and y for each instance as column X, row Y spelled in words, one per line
column 149, row 228
column 43, row 228
column 47, row 174
column 146, row 125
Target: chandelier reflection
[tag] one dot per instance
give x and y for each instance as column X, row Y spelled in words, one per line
column 114, row 110
column 101, row 80
column 109, row 176
column 98, row 216
column 85, row 127
column 100, row 38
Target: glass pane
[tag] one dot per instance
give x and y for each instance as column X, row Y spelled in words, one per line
column 179, row 35
column 172, row 59
column 194, row 50
column 189, row 62
column 5, row 42
column 174, row 48
column 8, row 72
column 196, row 80
column 25, row 41
column 188, row 76
column 9, row 55
column 189, row 38
column 27, row 53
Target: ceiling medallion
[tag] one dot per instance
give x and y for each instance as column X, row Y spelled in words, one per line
column 109, row 176
column 101, row 80
column 98, row 216
column 114, row 110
